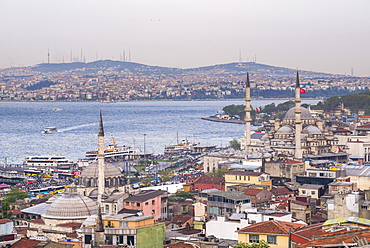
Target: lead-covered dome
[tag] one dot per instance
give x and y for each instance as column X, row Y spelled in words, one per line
column 305, row 114
column 71, row 206
column 92, row 170
column 284, row 130
column 312, row 130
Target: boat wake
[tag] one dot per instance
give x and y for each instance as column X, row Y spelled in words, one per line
column 75, row 127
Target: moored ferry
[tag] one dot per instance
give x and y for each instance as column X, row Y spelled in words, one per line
column 48, row 162
column 113, row 151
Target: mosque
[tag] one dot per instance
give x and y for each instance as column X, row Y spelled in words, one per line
column 101, row 188
column 295, row 143
column 299, row 135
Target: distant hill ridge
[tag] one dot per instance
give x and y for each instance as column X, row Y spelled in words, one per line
column 236, row 68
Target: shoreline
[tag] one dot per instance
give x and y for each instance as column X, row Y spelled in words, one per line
column 167, row 100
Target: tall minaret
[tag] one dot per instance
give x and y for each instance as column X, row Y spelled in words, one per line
column 298, row 122
column 101, row 155
column 248, row 110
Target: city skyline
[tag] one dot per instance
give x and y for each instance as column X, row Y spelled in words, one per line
column 330, row 36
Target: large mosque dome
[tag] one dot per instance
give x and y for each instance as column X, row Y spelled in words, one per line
column 305, row 114
column 112, row 174
column 71, row 206
column 92, row 170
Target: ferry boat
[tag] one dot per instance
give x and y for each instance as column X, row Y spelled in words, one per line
column 48, row 162
column 183, row 146
column 50, row 130
column 113, row 151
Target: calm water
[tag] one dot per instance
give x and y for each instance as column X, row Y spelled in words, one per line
column 22, row 123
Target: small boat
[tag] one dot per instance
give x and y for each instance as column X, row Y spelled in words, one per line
column 50, row 130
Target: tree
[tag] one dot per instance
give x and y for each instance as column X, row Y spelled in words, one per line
column 185, row 195
column 261, row 244
column 15, row 194
column 217, row 173
column 235, row 144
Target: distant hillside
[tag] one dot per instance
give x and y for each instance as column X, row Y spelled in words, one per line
column 136, row 68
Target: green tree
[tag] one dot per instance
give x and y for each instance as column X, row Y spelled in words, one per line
column 15, row 194
column 217, row 173
column 5, row 213
column 235, row 144
column 261, row 244
column 185, row 195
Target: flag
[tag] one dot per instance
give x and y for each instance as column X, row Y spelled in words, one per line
column 257, row 110
column 302, row 91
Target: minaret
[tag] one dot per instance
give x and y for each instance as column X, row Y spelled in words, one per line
column 248, row 109
column 298, row 122
column 99, row 230
column 101, row 155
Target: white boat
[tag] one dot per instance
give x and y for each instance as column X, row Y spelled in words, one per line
column 113, row 151
column 48, row 162
column 50, row 130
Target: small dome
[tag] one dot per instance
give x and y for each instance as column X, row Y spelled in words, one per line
column 312, row 130
column 305, row 114
column 92, row 171
column 284, row 130
column 71, row 206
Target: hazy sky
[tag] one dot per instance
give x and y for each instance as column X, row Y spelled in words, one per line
column 320, row 35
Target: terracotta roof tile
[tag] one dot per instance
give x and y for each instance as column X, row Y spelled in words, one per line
column 181, row 219
column 271, row 227
column 251, row 191
column 5, row 221
column 337, row 238
column 72, row 235
column 26, row 243
column 39, row 221
column 210, row 180
column 71, row 224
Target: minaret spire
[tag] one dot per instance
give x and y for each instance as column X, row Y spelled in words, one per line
column 248, row 119
column 298, row 121
column 101, row 157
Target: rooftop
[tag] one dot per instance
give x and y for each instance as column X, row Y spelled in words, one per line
column 271, row 227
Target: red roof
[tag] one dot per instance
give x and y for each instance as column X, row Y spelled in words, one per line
column 309, row 232
column 271, row 227
column 211, row 180
column 337, row 238
column 26, row 243
column 39, row 221
column 3, row 221
column 251, row 191
column 181, row 219
column 71, row 224
column 72, row 235
column 283, row 191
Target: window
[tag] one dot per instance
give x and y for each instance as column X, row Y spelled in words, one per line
column 107, row 207
column 303, row 192
column 127, row 203
column 123, row 224
column 133, row 204
column 138, row 204
column 153, row 202
column 313, row 192
column 271, row 240
column 236, row 177
column 254, row 238
column 153, row 211
column 130, row 240
column 147, row 203
column 88, row 239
